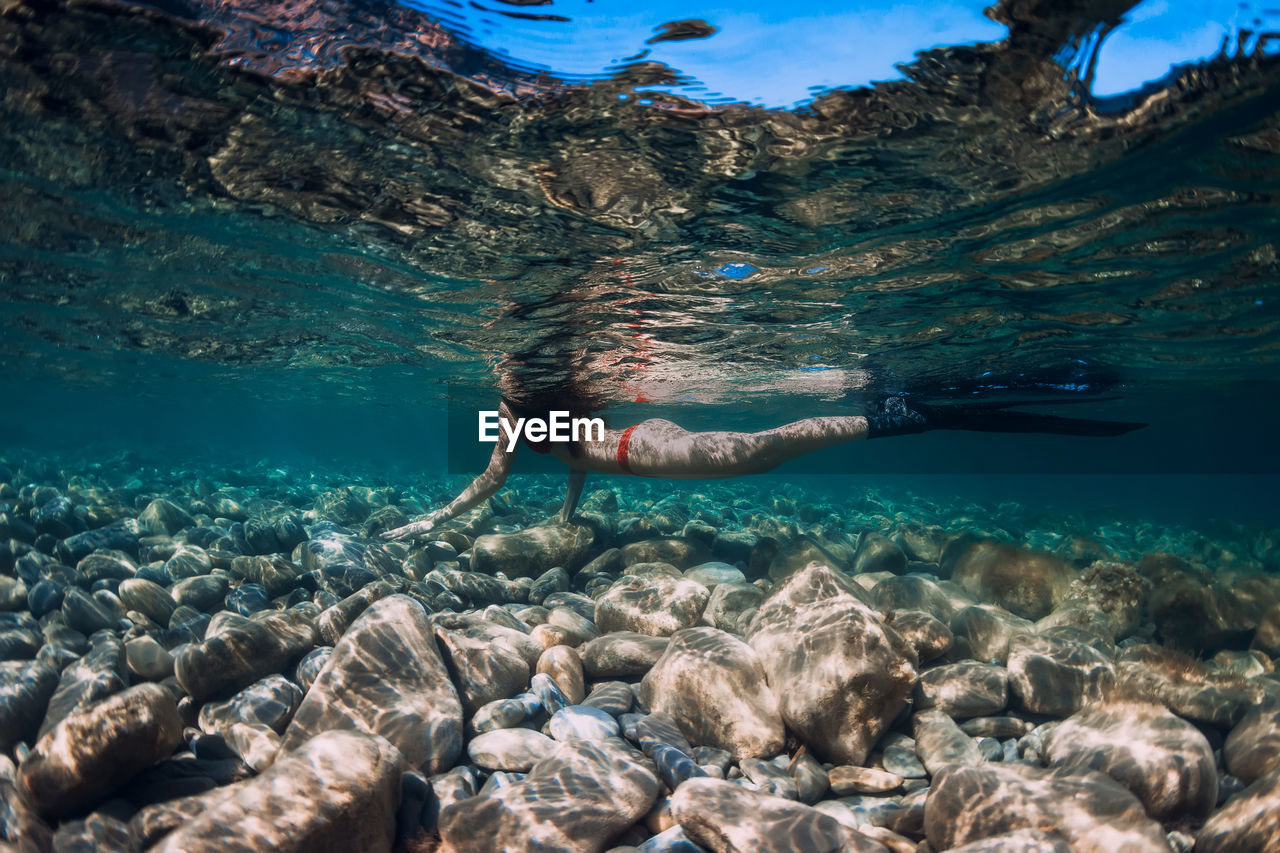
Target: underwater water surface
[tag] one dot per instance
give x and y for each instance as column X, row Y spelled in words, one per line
column 303, row 229
column 262, row 264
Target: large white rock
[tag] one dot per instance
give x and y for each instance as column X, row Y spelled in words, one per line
column 728, row 818
column 1088, row 811
column 840, row 674
column 386, row 677
column 714, row 686
column 93, row 751
column 576, row 800
column 335, row 793
column 653, row 604
column 1165, row 761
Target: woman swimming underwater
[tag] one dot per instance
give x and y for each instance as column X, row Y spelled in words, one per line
column 661, row 448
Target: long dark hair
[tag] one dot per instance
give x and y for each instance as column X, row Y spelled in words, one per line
column 552, row 370
column 567, row 398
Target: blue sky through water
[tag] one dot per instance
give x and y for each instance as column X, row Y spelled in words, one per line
column 779, row 54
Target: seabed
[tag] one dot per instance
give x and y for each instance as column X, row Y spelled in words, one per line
column 232, row 659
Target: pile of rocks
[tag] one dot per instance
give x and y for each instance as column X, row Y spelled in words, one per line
column 246, row 669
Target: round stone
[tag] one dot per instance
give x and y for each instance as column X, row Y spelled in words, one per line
column 204, row 592
column 515, row 750
column 901, row 760
column 148, row 659
column 247, row 599
column 564, row 666
column 150, row 599
column 713, row 574
column 549, row 693
column 847, row 780
column 582, row 722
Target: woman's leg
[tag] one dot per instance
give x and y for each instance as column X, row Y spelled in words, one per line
column 571, row 495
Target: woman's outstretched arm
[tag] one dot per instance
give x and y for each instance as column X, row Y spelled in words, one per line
column 481, row 489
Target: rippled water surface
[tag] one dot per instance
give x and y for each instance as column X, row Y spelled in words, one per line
column 319, row 215
column 262, row 262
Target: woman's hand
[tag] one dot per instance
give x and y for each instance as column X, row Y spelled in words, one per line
column 481, row 489
column 418, row 528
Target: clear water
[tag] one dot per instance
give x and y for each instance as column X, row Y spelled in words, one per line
column 266, row 260
column 324, row 235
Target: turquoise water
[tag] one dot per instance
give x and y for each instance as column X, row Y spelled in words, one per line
column 284, row 236
column 262, row 264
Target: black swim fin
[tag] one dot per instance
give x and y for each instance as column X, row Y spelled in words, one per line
column 898, row 416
